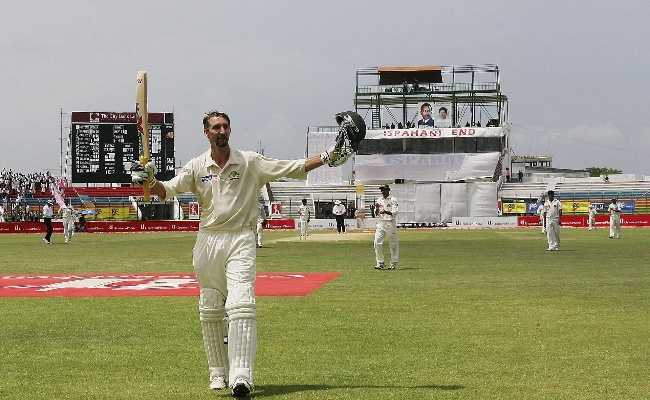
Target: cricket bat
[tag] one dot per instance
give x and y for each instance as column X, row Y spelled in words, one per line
column 142, row 120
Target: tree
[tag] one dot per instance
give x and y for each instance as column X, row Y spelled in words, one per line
column 598, row 171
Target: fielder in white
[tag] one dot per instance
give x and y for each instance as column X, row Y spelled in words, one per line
column 259, row 229
column 542, row 215
column 591, row 220
column 68, row 214
column 614, row 219
column 386, row 209
column 304, row 214
column 227, row 184
column 553, row 210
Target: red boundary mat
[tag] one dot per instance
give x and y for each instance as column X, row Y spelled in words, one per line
column 107, row 285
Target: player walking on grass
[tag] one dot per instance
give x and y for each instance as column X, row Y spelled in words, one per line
column 386, row 209
column 553, row 210
column 67, row 213
column 227, row 184
column 304, row 213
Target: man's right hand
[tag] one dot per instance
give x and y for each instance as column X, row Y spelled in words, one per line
column 141, row 174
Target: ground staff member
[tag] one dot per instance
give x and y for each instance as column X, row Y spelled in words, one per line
column 553, row 210
column 227, row 184
column 386, row 209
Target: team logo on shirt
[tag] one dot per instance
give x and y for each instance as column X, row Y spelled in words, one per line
column 209, row 177
column 233, row 176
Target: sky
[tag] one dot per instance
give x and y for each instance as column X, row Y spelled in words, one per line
column 575, row 72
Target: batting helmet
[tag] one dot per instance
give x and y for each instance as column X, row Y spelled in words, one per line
column 354, row 126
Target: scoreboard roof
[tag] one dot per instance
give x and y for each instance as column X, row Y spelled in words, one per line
column 103, row 117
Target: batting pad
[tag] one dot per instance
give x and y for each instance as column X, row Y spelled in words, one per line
column 242, row 341
column 214, row 327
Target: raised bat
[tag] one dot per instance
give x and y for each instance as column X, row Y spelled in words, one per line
column 142, row 120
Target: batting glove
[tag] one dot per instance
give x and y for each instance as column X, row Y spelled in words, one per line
column 141, row 174
column 335, row 156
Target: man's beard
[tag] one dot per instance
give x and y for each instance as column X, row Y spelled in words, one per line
column 221, row 141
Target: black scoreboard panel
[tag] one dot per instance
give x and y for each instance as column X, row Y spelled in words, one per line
column 103, row 145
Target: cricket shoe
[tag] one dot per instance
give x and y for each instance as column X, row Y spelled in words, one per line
column 241, row 388
column 47, row 241
column 380, row 266
column 392, row 265
column 218, row 383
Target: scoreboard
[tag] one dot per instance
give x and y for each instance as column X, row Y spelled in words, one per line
column 104, row 144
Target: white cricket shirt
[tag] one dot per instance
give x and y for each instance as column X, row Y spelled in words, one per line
column 229, row 196
column 614, row 209
column 553, row 210
column 389, row 204
column 303, row 211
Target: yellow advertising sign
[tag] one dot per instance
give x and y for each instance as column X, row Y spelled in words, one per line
column 117, row 212
column 575, row 207
column 514, row 208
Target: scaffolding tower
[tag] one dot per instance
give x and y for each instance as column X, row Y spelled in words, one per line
column 392, row 95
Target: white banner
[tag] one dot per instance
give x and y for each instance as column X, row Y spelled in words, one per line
column 484, row 222
column 424, row 133
column 425, row 167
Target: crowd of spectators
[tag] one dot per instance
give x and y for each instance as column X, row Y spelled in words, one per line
column 16, row 187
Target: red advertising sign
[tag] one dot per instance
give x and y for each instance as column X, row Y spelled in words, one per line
column 580, row 221
column 280, row 224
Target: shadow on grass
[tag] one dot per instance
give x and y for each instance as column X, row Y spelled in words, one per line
column 274, row 390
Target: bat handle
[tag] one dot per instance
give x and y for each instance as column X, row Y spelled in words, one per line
column 145, row 188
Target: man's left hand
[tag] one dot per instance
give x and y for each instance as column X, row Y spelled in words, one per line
column 336, row 156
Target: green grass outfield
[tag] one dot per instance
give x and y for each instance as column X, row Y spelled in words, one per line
column 468, row 314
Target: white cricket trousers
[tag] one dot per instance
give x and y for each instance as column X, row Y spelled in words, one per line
column 303, row 227
column 225, row 261
column 615, row 226
column 386, row 229
column 68, row 229
column 592, row 222
column 553, row 233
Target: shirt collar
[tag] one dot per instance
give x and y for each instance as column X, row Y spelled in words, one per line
column 236, row 157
